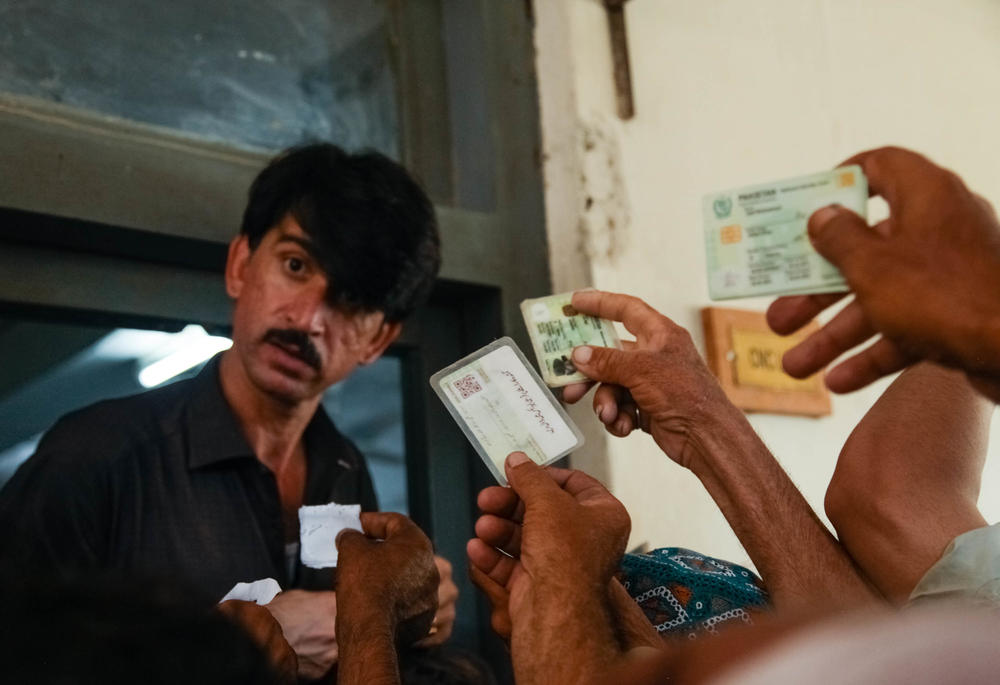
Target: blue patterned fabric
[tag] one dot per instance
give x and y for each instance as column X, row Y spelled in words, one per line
column 686, row 593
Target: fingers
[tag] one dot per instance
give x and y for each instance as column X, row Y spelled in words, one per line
column 529, row 480
column 607, row 400
column 444, row 619
column 788, row 314
column 447, row 590
column 502, row 502
column 578, row 484
column 627, row 420
column 441, row 628
column 498, row 598
column 444, row 572
column 582, row 487
column 615, row 408
column 645, row 421
column 491, row 571
column 489, row 561
column 589, row 491
column 538, row 486
column 350, row 542
column 609, row 365
column 572, row 394
column 500, row 533
column 888, row 168
column 381, row 525
column 639, row 318
column 482, row 580
column 386, row 526
column 848, row 328
column 844, row 238
column 552, row 479
column 265, row 630
column 872, row 363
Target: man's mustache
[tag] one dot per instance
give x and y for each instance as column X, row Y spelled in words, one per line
column 297, row 343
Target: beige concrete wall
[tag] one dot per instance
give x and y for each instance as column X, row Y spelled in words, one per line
column 728, row 93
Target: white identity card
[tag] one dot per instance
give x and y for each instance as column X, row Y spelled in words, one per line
column 756, row 239
column 318, row 529
column 502, row 406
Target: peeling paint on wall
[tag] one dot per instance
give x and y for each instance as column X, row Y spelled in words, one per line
column 604, row 211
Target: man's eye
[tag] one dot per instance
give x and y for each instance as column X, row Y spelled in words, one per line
column 295, row 265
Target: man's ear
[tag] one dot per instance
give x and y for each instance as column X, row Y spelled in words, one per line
column 385, row 335
column 236, row 262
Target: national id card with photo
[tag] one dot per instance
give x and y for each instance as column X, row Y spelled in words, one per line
column 502, row 406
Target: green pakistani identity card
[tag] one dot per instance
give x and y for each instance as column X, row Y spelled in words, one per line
column 502, row 406
column 756, row 240
column 556, row 328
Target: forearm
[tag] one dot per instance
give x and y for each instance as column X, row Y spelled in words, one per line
column 631, row 625
column 801, row 563
column 367, row 648
column 928, row 427
column 907, row 480
column 566, row 637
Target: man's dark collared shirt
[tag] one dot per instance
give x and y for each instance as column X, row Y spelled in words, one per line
column 164, row 484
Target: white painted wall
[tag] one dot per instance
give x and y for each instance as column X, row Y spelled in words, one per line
column 728, row 93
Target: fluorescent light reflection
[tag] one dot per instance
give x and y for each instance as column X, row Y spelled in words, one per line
column 192, row 346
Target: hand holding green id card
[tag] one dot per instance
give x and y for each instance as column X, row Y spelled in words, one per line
column 756, row 240
column 556, row 328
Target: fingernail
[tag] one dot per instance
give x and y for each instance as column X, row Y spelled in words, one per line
column 607, row 413
column 622, row 425
column 516, row 459
column 583, row 354
column 824, row 214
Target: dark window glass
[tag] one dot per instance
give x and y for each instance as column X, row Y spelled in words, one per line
column 249, row 73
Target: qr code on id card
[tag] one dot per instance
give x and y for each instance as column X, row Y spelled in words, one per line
column 467, row 386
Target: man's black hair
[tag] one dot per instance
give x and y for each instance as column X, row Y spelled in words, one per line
column 372, row 226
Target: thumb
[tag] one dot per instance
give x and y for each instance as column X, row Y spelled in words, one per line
column 606, row 365
column 349, row 539
column 842, row 237
column 528, row 479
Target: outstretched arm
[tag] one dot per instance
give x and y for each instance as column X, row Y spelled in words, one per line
column 803, row 566
column 661, row 384
column 908, row 478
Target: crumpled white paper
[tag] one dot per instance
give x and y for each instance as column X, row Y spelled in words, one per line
column 318, row 529
column 260, row 591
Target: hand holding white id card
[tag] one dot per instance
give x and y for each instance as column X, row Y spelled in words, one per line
column 502, row 406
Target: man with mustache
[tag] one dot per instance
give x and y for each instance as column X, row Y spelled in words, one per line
column 201, row 480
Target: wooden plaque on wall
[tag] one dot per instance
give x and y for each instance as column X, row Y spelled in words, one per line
column 745, row 355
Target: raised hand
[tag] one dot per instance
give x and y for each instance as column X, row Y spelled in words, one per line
column 659, row 383
column 926, row 280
